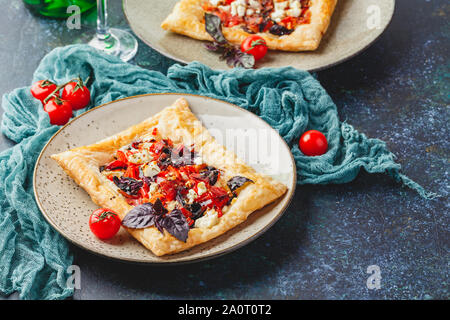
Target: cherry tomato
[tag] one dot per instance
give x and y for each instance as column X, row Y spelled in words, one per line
column 59, row 111
column 42, row 89
column 77, row 94
column 254, row 45
column 313, row 143
column 104, row 223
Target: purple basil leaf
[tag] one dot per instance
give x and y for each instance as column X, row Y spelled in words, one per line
column 128, row 185
column 147, row 180
column 213, row 46
column 196, row 209
column 159, row 223
column 139, row 217
column 213, row 25
column 159, row 208
column 241, row 59
column 175, row 223
column 280, row 30
column 211, row 174
column 236, row 182
column 179, row 196
column 231, row 54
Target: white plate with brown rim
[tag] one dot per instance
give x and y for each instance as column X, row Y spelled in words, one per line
column 355, row 25
column 67, row 207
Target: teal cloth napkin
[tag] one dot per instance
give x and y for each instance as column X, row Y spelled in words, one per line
column 34, row 258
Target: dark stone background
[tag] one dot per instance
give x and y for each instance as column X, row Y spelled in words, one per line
column 397, row 90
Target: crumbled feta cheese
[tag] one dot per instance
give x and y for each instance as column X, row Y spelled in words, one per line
column 277, row 15
column 294, row 12
column 198, row 160
column 191, row 196
column 201, row 188
column 153, row 188
column 147, row 145
column 241, row 11
column 254, row 4
column 279, row 11
column 140, row 157
column 250, row 12
column 238, row 7
column 209, row 220
column 151, row 169
column 215, row 2
column 233, row 9
column 294, row 9
column 280, row 5
column 171, row 205
column 224, row 8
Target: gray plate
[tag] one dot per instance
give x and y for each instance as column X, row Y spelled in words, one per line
column 355, row 25
column 67, row 207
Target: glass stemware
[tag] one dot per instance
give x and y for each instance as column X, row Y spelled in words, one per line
column 112, row 41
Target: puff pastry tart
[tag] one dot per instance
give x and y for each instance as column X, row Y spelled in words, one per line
column 172, row 184
column 288, row 25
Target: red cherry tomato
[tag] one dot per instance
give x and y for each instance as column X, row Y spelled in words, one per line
column 254, row 45
column 104, row 223
column 313, row 143
column 58, row 110
column 77, row 94
column 42, row 89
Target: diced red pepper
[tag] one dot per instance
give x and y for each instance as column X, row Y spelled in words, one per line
column 186, row 212
column 132, row 172
column 233, row 21
column 169, row 190
column 129, row 196
column 289, row 22
column 189, row 221
column 121, row 156
column 268, row 26
column 115, row 165
column 157, row 147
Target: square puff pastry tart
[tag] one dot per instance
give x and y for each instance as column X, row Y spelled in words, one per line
column 306, row 20
column 177, row 124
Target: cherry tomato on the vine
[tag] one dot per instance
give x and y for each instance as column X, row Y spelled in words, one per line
column 104, row 223
column 59, row 111
column 254, row 45
column 42, row 89
column 77, row 94
column 313, row 143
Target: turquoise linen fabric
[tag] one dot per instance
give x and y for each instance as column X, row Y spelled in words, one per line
column 34, row 258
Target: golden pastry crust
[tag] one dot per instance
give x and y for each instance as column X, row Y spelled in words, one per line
column 187, row 18
column 178, row 123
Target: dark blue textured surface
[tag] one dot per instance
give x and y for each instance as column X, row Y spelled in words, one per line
column 397, row 90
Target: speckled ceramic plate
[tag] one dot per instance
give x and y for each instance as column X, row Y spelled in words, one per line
column 67, row 207
column 354, row 26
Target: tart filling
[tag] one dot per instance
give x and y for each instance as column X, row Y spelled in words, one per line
column 151, row 170
column 278, row 17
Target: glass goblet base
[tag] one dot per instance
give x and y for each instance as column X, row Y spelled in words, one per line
column 118, row 43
